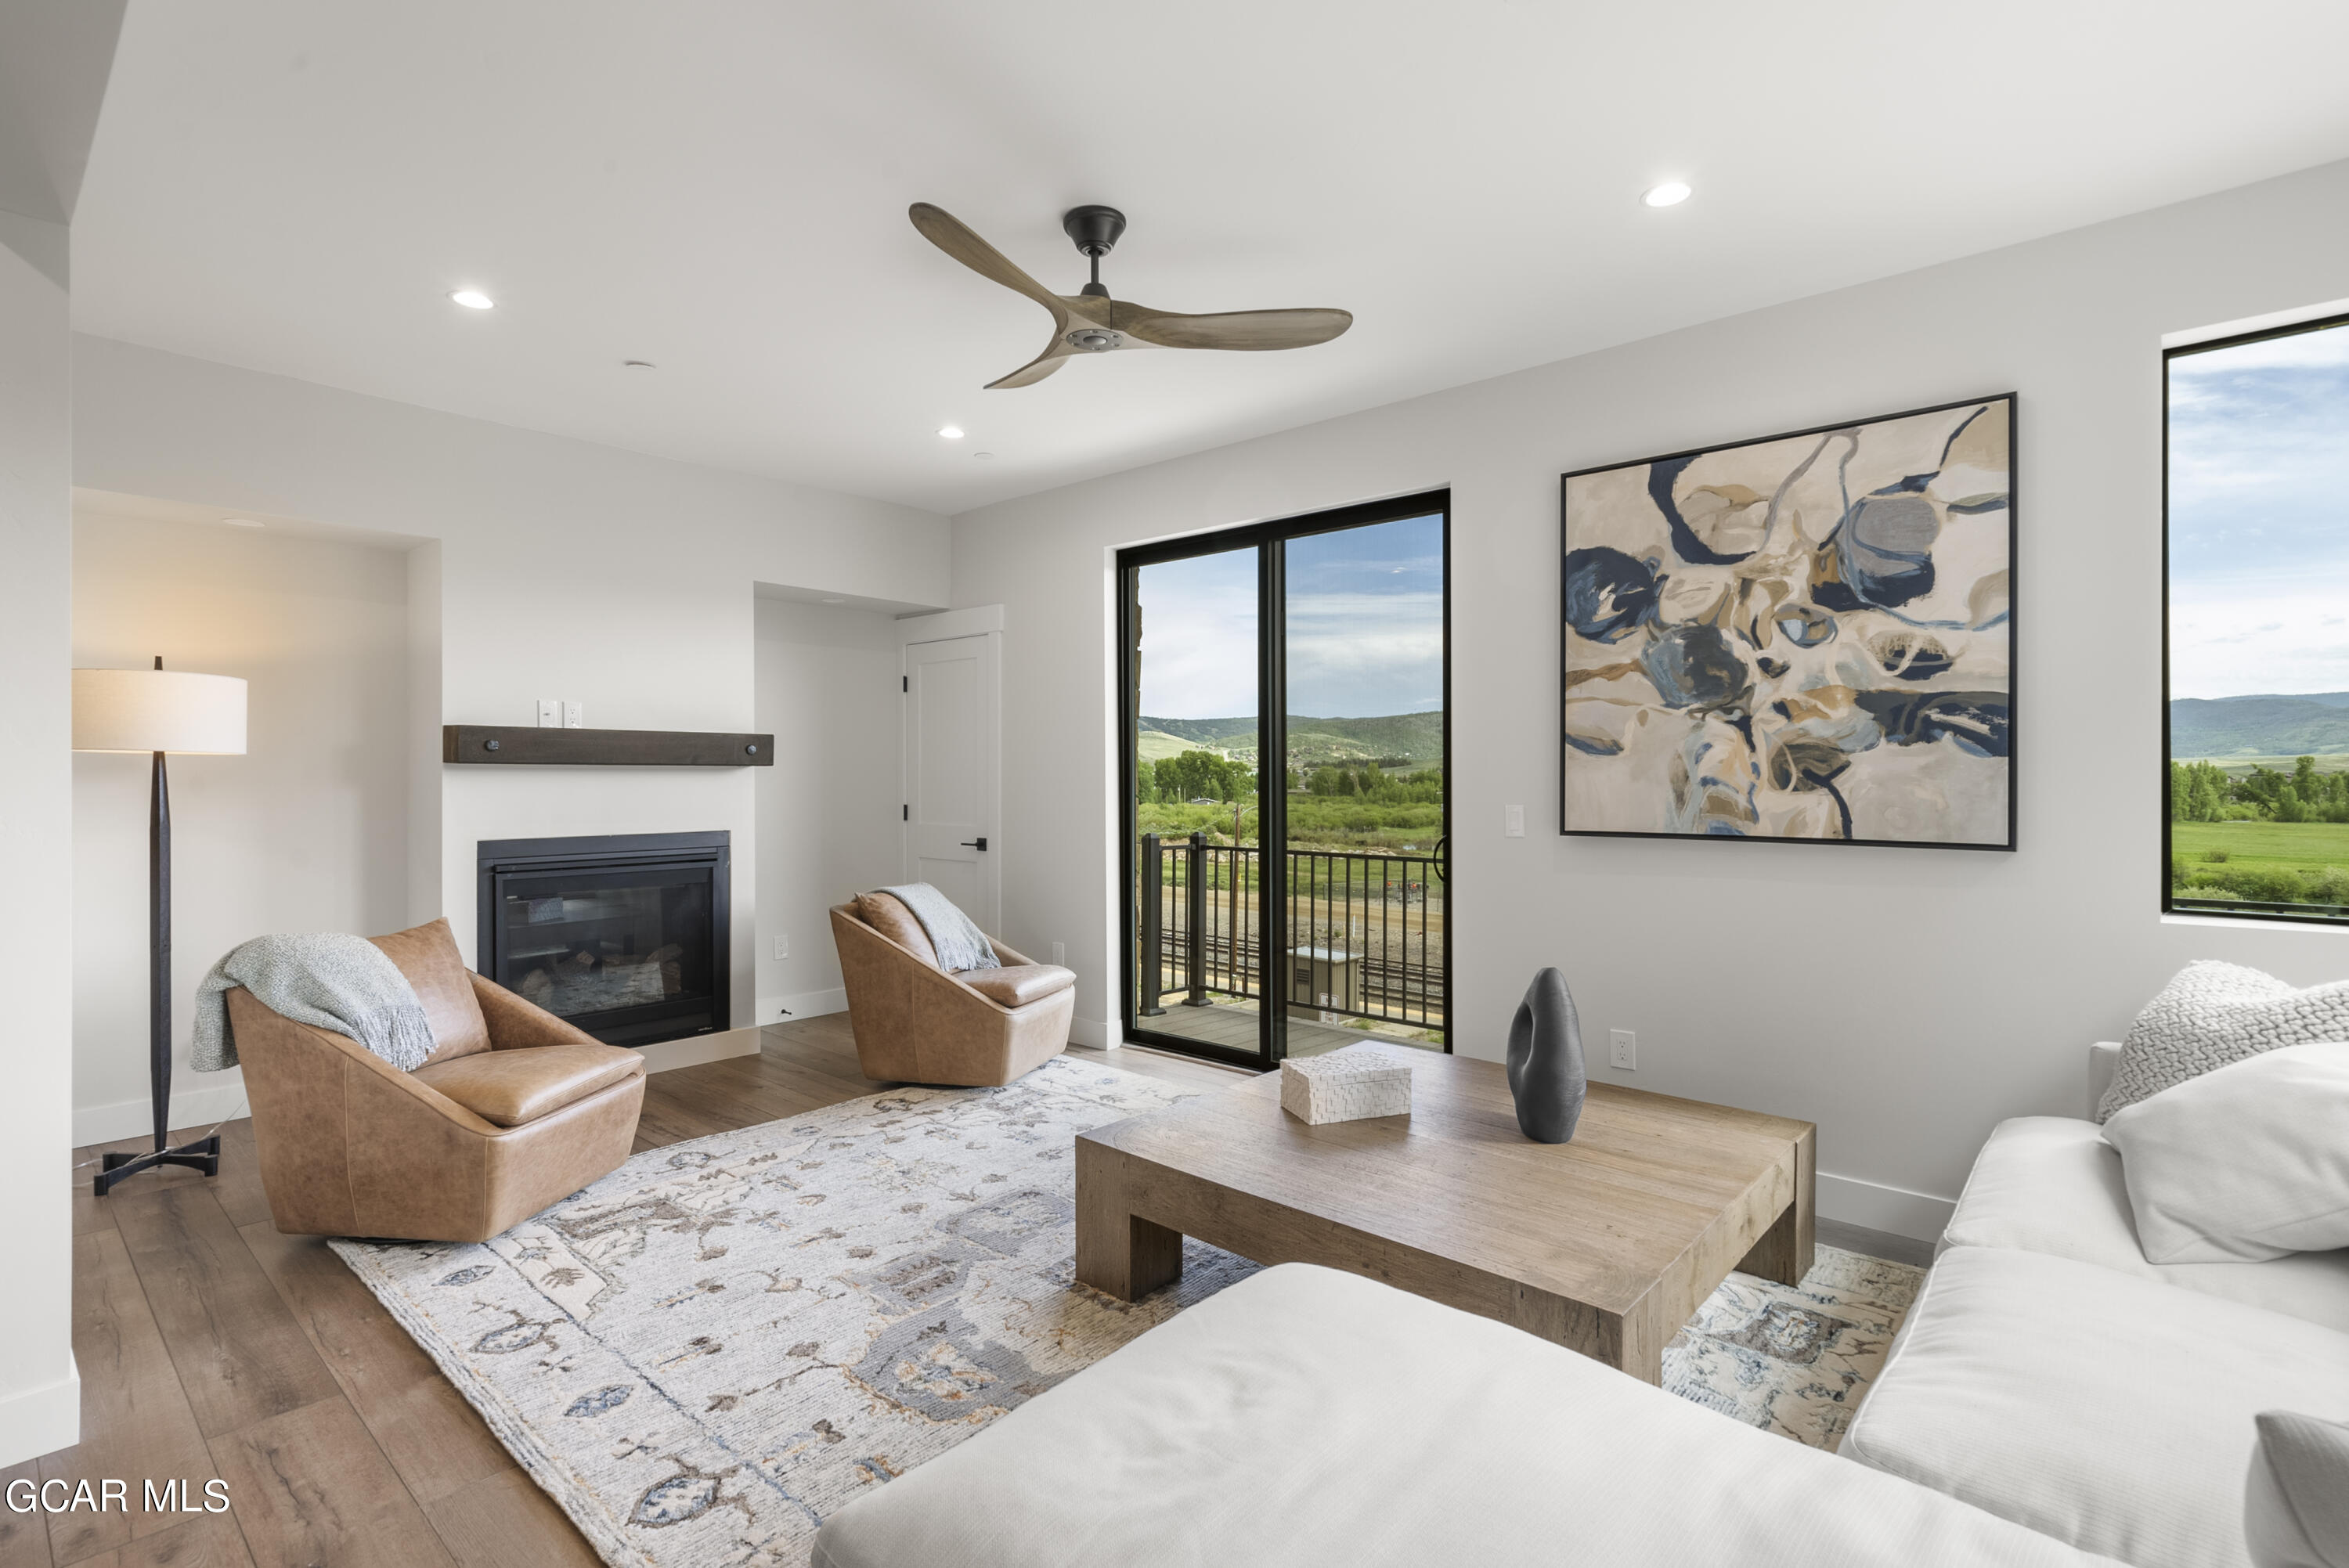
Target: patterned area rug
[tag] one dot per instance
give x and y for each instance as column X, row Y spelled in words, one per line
column 703, row 1355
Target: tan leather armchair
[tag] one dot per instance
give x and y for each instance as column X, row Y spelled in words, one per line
column 914, row 1023
column 513, row 1109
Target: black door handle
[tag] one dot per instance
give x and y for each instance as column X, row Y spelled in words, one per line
column 978, row 844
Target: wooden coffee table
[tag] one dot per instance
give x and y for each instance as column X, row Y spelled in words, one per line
column 1605, row 1245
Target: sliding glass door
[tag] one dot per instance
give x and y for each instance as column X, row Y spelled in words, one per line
column 1284, row 747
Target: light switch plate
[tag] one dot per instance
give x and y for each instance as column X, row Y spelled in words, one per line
column 1623, row 1049
column 1513, row 821
column 574, row 716
column 550, row 713
column 782, row 948
column 1060, row 954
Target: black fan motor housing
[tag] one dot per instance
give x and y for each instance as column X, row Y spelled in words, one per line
column 1095, row 229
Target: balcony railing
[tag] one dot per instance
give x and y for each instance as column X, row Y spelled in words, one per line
column 1365, row 931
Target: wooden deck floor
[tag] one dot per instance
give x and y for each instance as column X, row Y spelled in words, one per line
column 212, row 1346
column 1237, row 1028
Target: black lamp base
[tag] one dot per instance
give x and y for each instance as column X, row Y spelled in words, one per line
column 203, row 1155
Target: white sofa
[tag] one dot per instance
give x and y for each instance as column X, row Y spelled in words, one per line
column 2050, row 1375
column 1310, row 1419
column 2051, row 1398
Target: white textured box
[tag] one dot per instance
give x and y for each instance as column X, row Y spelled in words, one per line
column 1345, row 1086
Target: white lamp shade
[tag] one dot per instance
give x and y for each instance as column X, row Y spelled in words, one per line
column 156, row 710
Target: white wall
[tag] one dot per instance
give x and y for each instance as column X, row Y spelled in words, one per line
column 306, row 831
column 564, row 569
column 40, row 1396
column 1904, row 1000
column 828, row 809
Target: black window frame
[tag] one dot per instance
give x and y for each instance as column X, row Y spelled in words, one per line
column 2214, row 909
column 1272, row 740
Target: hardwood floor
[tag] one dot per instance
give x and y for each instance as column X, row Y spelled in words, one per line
column 210, row 1345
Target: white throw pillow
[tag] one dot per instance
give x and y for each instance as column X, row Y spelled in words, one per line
column 2245, row 1163
column 2211, row 1013
column 2296, row 1498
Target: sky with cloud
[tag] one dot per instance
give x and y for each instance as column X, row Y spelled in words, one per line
column 1365, row 610
column 2259, row 517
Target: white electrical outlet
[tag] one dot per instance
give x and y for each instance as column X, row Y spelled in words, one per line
column 1623, row 1049
column 782, row 948
column 574, row 716
column 1060, row 954
column 550, row 713
column 1513, row 821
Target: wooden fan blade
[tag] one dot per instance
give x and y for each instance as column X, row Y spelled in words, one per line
column 950, row 234
column 1056, row 353
column 1237, row 329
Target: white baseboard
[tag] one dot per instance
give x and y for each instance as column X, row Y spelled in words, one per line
column 212, row 1097
column 1917, row 1215
column 41, row 1420
column 793, row 1005
column 1094, row 1033
column 662, row 1056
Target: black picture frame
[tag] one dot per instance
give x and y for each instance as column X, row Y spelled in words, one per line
column 1566, row 751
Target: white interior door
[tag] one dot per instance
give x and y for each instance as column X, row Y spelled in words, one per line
column 953, row 782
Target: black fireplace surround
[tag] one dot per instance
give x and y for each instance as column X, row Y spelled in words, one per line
column 624, row 934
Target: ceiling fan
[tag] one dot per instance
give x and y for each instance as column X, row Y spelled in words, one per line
column 1090, row 322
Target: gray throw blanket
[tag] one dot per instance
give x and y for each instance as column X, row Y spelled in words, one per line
column 343, row 984
column 961, row 945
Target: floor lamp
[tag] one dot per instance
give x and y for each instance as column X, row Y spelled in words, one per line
column 158, row 711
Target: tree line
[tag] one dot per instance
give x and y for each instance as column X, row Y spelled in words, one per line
column 1209, row 775
column 2202, row 793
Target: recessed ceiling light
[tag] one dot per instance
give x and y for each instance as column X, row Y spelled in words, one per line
column 639, row 365
column 473, row 299
column 1671, row 194
column 982, row 454
column 243, row 522
column 950, row 432
column 836, row 599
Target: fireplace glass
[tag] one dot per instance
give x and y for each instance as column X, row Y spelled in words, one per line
column 622, row 935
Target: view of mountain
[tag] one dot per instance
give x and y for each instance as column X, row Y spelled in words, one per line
column 1415, row 737
column 2260, row 726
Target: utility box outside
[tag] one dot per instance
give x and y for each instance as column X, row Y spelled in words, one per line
column 1323, row 980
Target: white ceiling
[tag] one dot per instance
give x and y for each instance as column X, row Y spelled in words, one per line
column 719, row 186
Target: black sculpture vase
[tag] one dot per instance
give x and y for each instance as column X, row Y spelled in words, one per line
column 1545, row 1074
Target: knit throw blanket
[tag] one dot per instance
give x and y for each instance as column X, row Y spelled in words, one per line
column 338, row 983
column 961, row 945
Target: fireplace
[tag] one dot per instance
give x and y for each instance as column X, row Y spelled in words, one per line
column 624, row 934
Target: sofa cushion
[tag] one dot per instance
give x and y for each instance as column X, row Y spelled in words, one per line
column 2051, row 1184
column 2296, row 1499
column 2211, row 1013
column 892, row 918
column 2112, row 1412
column 426, row 954
column 510, row 1087
column 1309, row 1418
column 2246, row 1163
column 1016, row 985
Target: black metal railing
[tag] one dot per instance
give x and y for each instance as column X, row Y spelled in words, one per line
column 1365, row 931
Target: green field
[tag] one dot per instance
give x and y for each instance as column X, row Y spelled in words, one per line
column 1314, row 822
column 2297, row 846
column 2262, row 862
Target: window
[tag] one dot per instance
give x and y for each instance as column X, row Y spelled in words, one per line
column 2257, row 652
column 1285, row 741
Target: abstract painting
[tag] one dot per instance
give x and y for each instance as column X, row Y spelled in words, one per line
column 1806, row 636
